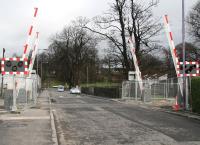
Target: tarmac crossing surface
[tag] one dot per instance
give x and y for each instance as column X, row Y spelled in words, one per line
column 90, row 120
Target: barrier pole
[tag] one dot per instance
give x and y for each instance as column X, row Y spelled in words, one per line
column 30, row 31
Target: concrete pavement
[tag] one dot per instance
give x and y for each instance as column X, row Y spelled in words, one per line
column 31, row 127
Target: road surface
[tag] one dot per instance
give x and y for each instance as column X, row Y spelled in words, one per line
column 90, row 120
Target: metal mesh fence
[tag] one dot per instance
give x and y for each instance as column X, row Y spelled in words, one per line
column 152, row 89
column 19, row 91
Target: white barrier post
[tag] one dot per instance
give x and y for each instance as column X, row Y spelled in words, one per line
column 27, row 45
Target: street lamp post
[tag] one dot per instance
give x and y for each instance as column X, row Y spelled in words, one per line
column 38, row 59
column 185, row 97
column 38, row 64
column 41, row 71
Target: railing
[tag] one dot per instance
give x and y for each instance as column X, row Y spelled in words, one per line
column 20, row 92
column 153, row 89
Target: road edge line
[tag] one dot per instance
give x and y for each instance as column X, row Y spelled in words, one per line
column 53, row 129
column 60, row 134
column 53, row 125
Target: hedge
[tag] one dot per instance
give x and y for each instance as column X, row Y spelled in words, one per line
column 101, row 91
column 195, row 93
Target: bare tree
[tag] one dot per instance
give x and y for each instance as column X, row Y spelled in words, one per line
column 143, row 26
column 153, row 65
column 71, row 51
column 194, row 21
column 128, row 18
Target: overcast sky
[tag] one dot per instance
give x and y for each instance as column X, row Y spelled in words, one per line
column 16, row 17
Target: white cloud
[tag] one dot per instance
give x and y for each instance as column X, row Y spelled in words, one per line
column 53, row 15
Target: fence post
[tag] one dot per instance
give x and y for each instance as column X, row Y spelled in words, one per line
column 129, row 89
column 14, row 108
column 187, row 93
column 164, row 91
column 136, row 93
column 26, row 91
column 153, row 91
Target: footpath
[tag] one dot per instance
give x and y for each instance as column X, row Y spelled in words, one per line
column 32, row 126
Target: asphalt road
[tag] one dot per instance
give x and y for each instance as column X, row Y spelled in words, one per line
column 90, row 120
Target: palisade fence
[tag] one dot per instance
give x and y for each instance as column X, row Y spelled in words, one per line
column 19, row 91
column 154, row 89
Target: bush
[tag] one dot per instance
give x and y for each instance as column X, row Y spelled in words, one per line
column 107, row 92
column 101, row 91
column 195, row 93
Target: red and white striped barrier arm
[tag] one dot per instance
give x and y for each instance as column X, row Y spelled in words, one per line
column 171, row 42
column 25, row 60
column 173, row 50
column 138, row 73
column 34, row 53
column 30, row 32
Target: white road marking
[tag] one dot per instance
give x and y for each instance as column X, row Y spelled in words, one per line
column 25, row 118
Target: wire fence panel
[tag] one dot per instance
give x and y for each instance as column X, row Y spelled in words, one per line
column 153, row 89
column 131, row 90
column 20, row 91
